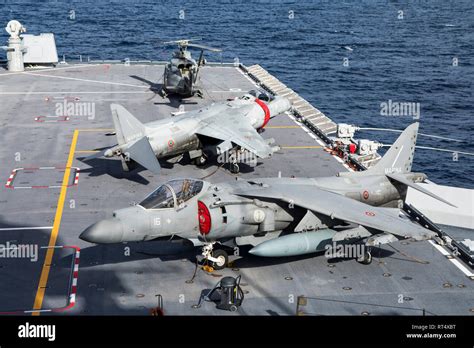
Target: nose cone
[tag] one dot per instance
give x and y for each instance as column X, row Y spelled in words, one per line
column 104, row 232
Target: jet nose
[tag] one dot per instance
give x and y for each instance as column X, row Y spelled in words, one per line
column 103, row 232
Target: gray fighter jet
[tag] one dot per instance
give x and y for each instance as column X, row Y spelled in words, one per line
column 279, row 216
column 227, row 129
column 181, row 73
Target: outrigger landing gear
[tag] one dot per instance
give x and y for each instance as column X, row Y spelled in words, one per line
column 218, row 258
column 125, row 166
column 366, row 258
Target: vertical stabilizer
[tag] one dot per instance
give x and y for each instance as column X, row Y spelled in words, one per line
column 399, row 157
column 127, row 127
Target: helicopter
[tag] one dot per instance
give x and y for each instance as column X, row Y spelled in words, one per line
column 181, row 72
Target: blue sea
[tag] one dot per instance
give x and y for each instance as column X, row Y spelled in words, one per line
column 345, row 57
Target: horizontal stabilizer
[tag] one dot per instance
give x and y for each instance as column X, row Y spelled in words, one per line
column 142, row 153
column 402, row 180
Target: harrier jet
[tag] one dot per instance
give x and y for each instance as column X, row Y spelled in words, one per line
column 227, row 128
column 279, row 216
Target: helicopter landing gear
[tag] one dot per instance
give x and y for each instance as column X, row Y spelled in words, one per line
column 218, row 258
column 198, row 92
column 163, row 93
column 366, row 258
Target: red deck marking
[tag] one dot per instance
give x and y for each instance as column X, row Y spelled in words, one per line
column 52, row 119
column 369, row 213
column 9, row 183
column 73, row 278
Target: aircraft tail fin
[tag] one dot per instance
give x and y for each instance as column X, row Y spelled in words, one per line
column 127, row 127
column 399, row 158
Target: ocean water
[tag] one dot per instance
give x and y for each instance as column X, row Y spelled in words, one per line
column 346, row 57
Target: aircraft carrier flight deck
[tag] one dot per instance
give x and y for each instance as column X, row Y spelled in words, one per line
column 49, row 195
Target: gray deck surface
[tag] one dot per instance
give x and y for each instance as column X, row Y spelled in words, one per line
column 111, row 282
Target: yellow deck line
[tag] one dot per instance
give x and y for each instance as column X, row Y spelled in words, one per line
column 55, row 231
column 282, row 127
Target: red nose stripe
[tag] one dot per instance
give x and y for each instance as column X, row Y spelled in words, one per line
column 204, row 218
column 265, row 110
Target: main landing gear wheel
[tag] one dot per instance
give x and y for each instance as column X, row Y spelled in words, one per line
column 200, row 161
column 222, row 259
column 234, row 168
column 365, row 259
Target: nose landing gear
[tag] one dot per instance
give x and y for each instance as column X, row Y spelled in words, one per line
column 218, row 258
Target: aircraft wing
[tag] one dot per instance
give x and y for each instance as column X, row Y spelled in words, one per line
column 237, row 129
column 343, row 208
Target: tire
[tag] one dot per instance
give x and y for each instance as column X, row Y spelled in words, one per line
column 366, row 259
column 233, row 308
column 223, row 259
column 200, row 161
column 234, row 168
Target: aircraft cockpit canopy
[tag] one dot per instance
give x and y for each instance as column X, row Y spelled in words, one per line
column 172, row 194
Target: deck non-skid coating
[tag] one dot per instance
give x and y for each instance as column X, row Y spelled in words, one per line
column 125, row 278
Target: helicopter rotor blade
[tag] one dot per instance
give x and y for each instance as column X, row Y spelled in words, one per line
column 205, row 47
column 183, row 42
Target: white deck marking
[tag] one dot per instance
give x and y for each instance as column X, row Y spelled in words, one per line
column 455, row 262
column 78, row 92
column 26, row 228
column 86, row 80
column 53, row 69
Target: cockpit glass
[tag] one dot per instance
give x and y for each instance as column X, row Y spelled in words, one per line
column 162, row 197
